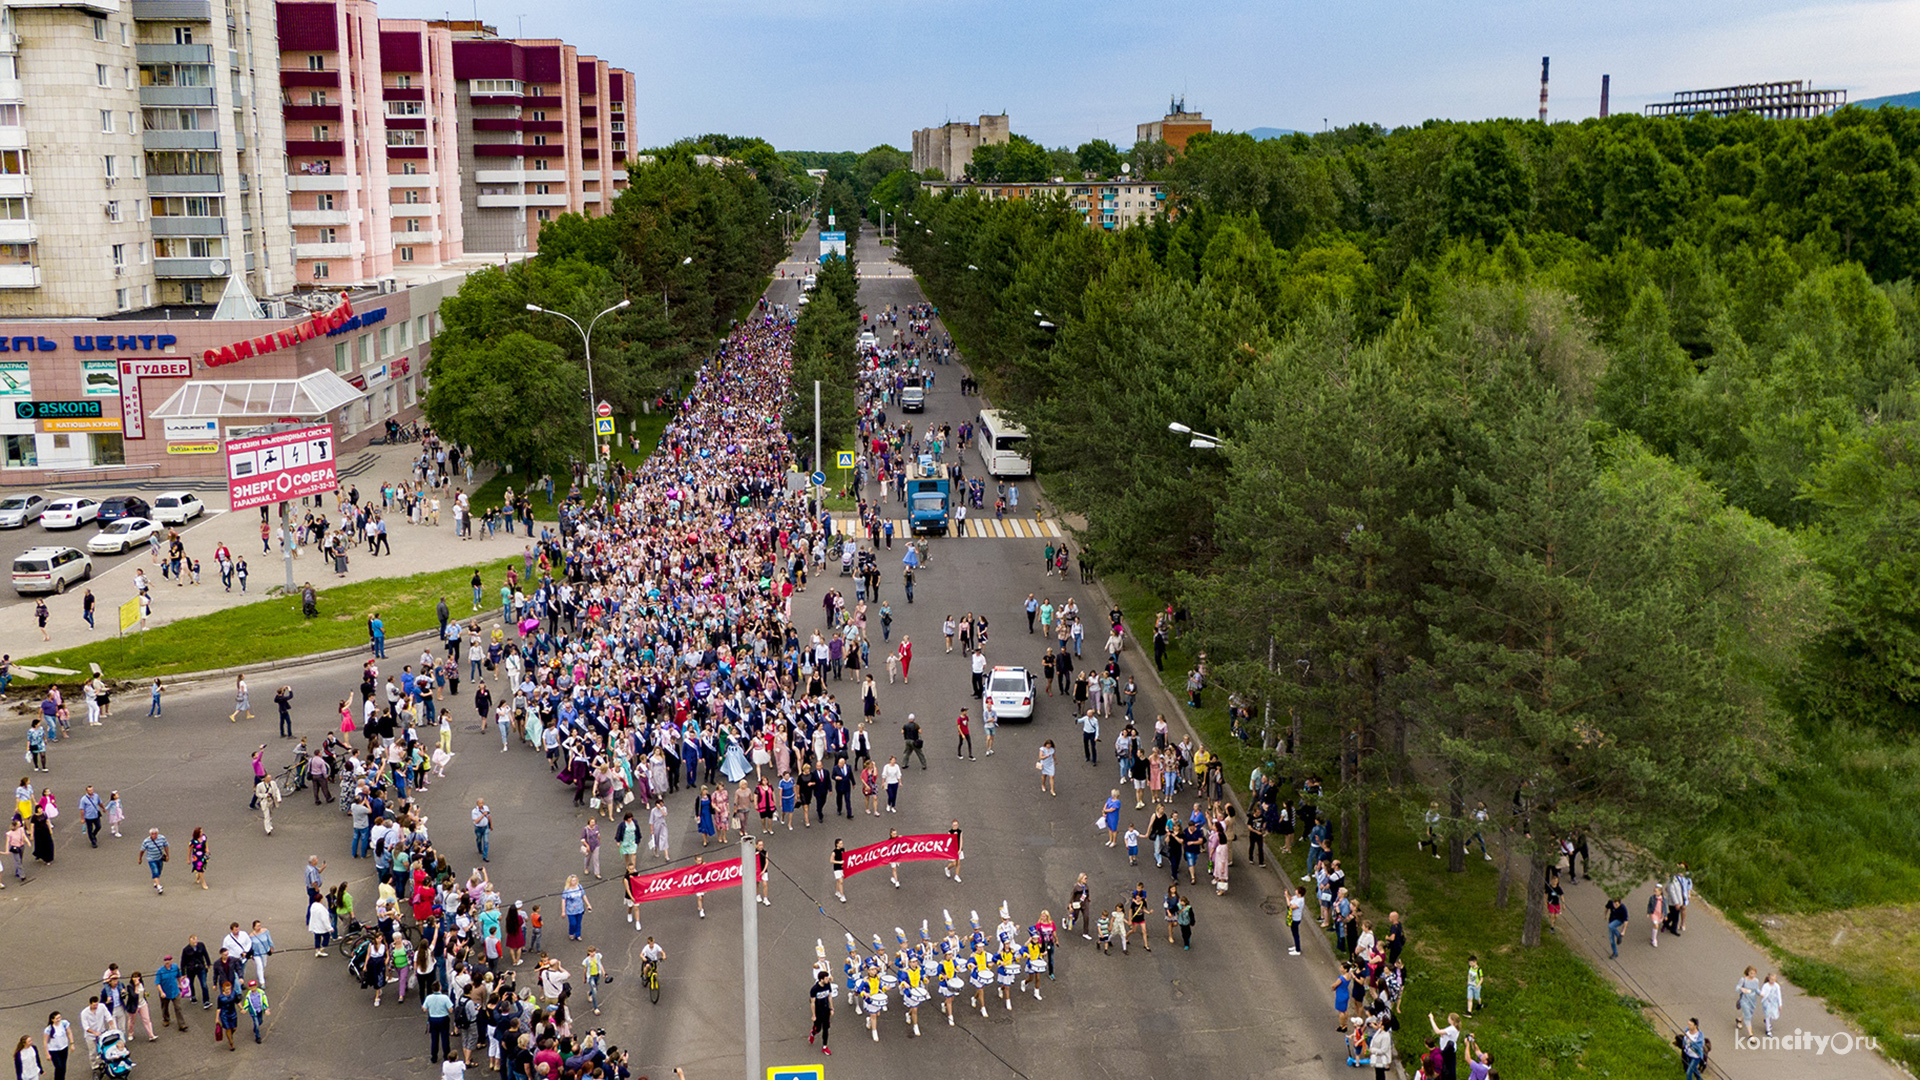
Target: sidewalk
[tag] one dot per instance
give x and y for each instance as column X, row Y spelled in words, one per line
column 1694, row 974
column 416, row 549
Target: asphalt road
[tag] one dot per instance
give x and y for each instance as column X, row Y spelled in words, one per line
column 1235, row 1006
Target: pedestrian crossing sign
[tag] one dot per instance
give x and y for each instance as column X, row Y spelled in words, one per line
column 796, row 1072
column 605, row 424
column 845, row 458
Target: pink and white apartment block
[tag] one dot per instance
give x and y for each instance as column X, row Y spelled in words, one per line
column 373, row 163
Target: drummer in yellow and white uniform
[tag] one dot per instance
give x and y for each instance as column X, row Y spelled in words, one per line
column 1036, row 963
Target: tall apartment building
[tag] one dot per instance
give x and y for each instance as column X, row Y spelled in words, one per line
column 542, row 133
column 374, row 173
column 139, row 164
column 949, row 147
column 1102, row 204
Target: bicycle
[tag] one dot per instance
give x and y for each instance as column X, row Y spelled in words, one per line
column 650, row 974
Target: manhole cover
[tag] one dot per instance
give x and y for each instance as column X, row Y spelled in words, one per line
column 1274, row 905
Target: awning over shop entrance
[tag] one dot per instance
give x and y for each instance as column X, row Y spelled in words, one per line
column 309, row 397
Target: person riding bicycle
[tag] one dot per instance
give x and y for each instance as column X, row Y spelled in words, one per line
column 650, row 956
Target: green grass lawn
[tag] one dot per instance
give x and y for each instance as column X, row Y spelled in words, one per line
column 1550, row 1014
column 273, row 628
column 647, row 431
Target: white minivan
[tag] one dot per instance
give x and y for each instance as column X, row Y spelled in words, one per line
column 177, row 507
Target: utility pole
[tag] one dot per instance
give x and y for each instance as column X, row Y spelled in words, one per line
column 750, row 945
column 286, row 539
column 819, row 454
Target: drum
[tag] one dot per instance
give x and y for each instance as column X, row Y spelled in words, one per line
column 876, row 1003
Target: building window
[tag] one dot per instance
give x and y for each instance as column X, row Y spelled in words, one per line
column 320, row 270
column 538, row 114
column 108, row 160
column 366, row 350
column 543, row 214
column 100, row 74
column 113, row 210
column 412, row 195
column 407, row 168
column 106, row 120
column 121, row 299
column 316, row 97
column 21, row 452
column 403, row 82
column 322, row 133
column 540, row 164
column 13, row 209
column 386, row 342
column 341, row 362
column 420, row 328
column 406, row 328
column 10, row 116
column 119, row 255
column 193, row 292
column 540, row 189
column 183, row 35
column 323, row 201
column 316, row 62
column 141, row 250
column 406, row 108
column 404, row 138
column 539, row 140
column 406, row 254
column 99, row 29
column 326, row 236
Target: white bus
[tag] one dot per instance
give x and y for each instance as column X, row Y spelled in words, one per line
column 1002, row 444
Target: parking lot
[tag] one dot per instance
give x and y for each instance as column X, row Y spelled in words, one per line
column 16, row 540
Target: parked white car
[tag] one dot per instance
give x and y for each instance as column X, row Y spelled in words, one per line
column 118, row 537
column 18, row 510
column 69, row 513
column 177, row 507
column 50, row 569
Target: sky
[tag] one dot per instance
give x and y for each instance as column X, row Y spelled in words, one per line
column 852, row 74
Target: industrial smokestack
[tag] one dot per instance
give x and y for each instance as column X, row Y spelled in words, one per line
column 1543, row 88
column 1605, row 80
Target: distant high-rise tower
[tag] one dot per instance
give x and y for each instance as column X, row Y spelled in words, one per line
column 1543, row 88
column 1605, row 85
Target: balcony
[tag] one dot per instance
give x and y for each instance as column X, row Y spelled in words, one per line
column 173, row 10
column 173, row 54
column 196, row 96
column 403, row 93
column 542, row 102
column 16, row 184
column 330, row 251
column 316, row 148
column 19, row 277
column 499, row 150
column 546, row 176
column 499, row 176
column 299, row 181
column 588, row 112
column 589, row 196
column 314, row 217
column 421, row 236
column 13, row 138
column 407, row 153
column 18, row 232
column 181, row 184
column 516, row 200
column 545, row 126
column 295, row 113
column 162, row 139
column 496, row 123
column 416, row 180
column 191, row 268
column 12, row 90
column 303, row 77
column 556, row 198
column 589, row 153
column 189, row 226
column 406, row 123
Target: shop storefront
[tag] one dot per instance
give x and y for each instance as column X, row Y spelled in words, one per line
column 101, row 399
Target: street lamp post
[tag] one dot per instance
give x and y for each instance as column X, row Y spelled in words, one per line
column 586, row 342
column 688, row 261
column 1201, row 440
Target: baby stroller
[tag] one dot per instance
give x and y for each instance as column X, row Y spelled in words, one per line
column 115, row 1059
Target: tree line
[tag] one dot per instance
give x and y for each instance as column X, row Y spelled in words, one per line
column 1562, row 467
column 687, row 246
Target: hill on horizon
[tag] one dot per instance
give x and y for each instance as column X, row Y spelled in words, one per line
column 1909, row 100
column 1270, row 132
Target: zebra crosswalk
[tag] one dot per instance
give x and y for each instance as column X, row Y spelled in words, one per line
column 986, row 528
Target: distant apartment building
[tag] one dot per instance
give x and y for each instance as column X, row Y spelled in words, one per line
column 950, row 147
column 1113, row 204
column 1175, row 128
column 374, row 170
column 542, row 132
column 1793, row 99
column 140, row 157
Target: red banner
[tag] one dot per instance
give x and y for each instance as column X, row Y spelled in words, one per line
column 903, row 849
column 684, row 882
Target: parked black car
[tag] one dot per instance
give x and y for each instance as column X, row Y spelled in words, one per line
column 123, row 506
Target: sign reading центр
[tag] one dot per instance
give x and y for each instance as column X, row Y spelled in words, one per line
column 273, row 468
